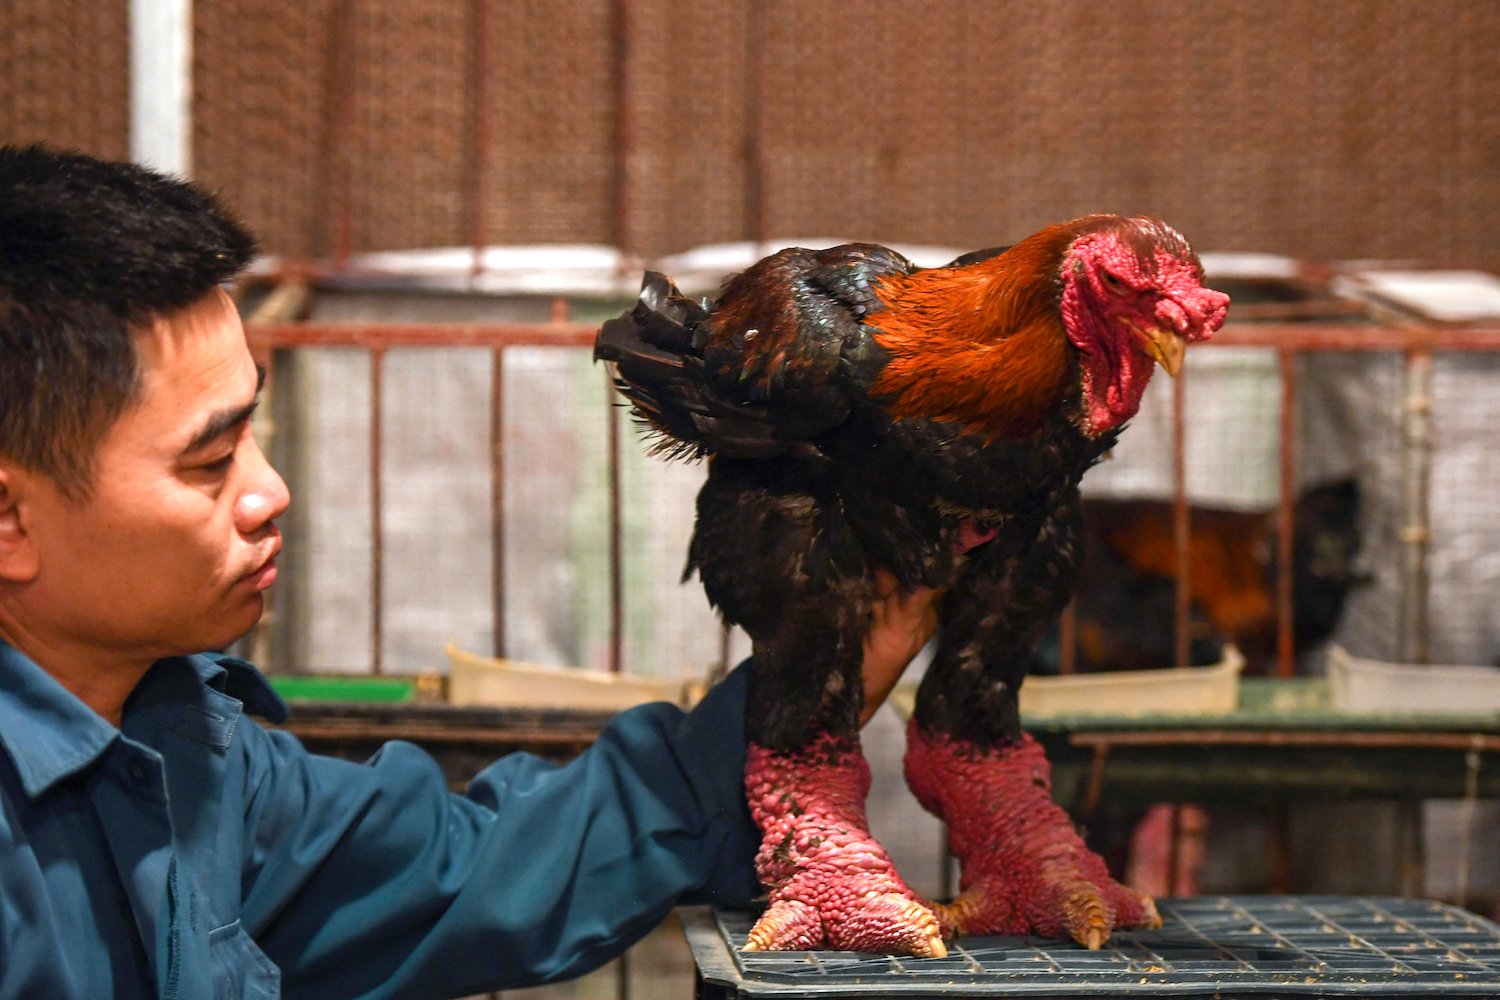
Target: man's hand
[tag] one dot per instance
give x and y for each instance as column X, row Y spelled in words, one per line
column 903, row 624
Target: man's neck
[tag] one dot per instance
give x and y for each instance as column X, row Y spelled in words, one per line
column 101, row 679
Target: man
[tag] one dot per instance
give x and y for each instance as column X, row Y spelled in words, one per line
column 153, row 840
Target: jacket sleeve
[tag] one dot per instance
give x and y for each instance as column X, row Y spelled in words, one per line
column 375, row 880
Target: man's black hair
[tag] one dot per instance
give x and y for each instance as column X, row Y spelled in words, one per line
column 90, row 249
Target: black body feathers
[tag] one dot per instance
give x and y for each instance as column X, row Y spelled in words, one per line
column 813, row 485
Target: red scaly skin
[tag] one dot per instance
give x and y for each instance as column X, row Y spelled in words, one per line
column 831, row 884
column 1025, row 869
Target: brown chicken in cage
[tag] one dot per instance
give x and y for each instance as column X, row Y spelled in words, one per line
column 1126, row 597
column 865, row 415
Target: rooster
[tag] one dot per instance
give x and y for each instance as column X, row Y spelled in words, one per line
column 862, row 414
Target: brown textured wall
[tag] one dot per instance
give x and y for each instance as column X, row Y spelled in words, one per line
column 275, row 106
column 1321, row 129
column 1358, row 128
column 260, row 115
column 64, row 74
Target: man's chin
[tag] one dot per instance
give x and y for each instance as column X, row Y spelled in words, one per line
column 234, row 624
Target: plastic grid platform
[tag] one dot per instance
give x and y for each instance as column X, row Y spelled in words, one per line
column 1224, row 946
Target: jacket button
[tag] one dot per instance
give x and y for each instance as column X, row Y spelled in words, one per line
column 138, row 772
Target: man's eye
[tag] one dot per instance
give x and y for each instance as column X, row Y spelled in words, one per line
column 220, row 466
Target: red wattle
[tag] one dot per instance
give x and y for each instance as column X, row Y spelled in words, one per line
column 830, row 884
column 1025, row 869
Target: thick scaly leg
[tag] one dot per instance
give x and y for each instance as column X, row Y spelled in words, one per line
column 1025, row 869
column 831, row 885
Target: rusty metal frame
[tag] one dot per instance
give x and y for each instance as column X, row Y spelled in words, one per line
column 1182, row 526
column 1416, row 473
column 1288, row 339
column 616, row 540
column 1286, row 518
column 1414, row 739
column 276, row 336
column 497, row 499
column 1301, row 337
column 377, row 526
column 264, row 338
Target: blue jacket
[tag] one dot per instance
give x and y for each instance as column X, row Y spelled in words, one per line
column 192, row 853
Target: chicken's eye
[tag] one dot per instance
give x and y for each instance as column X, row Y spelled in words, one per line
column 1112, row 281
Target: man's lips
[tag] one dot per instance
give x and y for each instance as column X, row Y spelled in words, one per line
column 264, row 574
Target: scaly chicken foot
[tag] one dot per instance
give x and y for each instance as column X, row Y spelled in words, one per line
column 1025, row 869
column 831, row 885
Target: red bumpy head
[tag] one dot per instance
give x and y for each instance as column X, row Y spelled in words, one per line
column 1133, row 295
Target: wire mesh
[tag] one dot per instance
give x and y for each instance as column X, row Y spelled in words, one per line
column 1294, row 946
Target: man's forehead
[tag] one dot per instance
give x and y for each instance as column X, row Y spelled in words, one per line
column 202, row 340
column 193, row 362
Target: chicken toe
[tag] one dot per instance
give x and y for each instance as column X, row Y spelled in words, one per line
column 1025, row 868
column 831, row 884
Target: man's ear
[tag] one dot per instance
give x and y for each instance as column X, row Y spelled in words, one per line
column 19, row 562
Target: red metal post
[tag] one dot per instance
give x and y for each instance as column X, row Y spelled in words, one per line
column 270, row 336
column 479, row 134
column 622, row 977
column 497, row 497
column 1355, row 337
column 1181, row 525
column 1287, row 336
column 1067, row 638
column 1416, row 434
column 1286, row 524
column 377, row 534
column 725, row 632
column 616, row 560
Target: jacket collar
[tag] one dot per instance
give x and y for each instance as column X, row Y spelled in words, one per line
column 49, row 734
column 46, row 730
column 241, row 681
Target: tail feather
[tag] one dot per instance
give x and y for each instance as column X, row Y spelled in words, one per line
column 656, row 349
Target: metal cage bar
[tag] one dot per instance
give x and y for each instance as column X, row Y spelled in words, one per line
column 1289, row 339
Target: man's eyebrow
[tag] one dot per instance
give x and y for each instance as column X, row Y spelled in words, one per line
column 219, row 424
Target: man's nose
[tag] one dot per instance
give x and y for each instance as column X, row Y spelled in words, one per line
column 264, row 499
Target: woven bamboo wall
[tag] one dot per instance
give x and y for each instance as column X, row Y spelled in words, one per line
column 1312, row 128
column 64, row 74
column 1359, row 128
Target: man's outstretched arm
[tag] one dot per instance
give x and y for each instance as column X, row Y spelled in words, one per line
column 375, row 880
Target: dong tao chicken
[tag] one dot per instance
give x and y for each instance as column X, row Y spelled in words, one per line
column 861, row 414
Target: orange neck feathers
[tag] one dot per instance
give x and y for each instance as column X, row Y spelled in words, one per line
column 982, row 344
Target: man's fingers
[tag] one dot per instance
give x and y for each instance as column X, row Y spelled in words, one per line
column 915, row 603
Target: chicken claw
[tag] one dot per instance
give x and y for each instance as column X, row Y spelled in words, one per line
column 831, row 885
column 886, row 923
column 1025, row 869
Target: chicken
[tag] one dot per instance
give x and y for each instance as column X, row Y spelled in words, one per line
column 862, row 414
column 1126, row 596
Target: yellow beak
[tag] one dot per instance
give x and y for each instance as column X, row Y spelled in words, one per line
column 1166, row 347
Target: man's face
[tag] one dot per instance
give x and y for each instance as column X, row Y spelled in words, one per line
column 175, row 545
